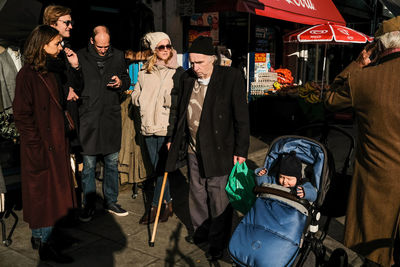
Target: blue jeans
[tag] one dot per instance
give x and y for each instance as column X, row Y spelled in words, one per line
column 110, row 179
column 158, row 152
column 42, row 233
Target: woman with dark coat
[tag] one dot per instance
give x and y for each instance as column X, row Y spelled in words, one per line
column 46, row 177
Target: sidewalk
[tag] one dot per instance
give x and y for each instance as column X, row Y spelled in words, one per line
column 109, row 240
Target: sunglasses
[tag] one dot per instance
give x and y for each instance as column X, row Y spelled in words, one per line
column 162, row 47
column 67, row 22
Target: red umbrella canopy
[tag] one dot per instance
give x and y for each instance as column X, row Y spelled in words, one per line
column 328, row 33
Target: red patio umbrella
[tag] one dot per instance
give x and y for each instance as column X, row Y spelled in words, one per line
column 328, row 33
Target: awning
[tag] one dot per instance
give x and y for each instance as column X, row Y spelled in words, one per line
column 310, row 12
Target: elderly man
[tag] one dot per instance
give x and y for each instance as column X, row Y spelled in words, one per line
column 213, row 120
column 372, row 220
column 105, row 76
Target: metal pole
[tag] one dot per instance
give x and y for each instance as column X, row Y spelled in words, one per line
column 316, row 63
column 323, row 72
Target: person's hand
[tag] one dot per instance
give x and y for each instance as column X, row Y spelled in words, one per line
column 71, row 57
column 168, row 145
column 238, row 159
column 117, row 82
column 300, row 192
column 71, row 95
column 262, row 172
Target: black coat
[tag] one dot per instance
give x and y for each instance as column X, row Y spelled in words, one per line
column 224, row 124
column 100, row 110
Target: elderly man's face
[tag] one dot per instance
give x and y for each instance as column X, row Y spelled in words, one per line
column 202, row 65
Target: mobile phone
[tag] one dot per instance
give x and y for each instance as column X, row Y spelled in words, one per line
column 112, row 81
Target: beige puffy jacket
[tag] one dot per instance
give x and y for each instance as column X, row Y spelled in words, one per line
column 152, row 94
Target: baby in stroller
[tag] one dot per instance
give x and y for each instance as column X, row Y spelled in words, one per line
column 290, row 176
column 284, row 216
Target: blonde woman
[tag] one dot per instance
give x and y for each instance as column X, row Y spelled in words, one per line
column 156, row 95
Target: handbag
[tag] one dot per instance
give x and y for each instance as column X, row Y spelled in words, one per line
column 68, row 121
column 240, row 188
column 8, row 130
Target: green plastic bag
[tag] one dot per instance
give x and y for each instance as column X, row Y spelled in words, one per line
column 240, row 188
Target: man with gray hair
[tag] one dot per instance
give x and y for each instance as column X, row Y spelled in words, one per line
column 373, row 91
column 213, row 120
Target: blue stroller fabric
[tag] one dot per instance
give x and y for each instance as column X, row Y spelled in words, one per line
column 271, row 233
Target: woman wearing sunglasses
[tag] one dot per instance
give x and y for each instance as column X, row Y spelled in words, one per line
column 46, row 177
column 156, row 95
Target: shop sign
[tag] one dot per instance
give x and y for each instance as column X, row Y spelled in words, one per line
column 302, row 3
column 205, row 24
column 261, row 32
column 260, row 57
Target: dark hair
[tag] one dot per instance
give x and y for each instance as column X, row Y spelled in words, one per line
column 34, row 53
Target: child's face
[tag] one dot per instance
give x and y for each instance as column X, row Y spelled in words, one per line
column 287, row 181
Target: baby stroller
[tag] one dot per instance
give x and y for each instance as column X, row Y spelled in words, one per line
column 281, row 226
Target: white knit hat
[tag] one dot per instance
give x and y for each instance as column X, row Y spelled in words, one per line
column 153, row 38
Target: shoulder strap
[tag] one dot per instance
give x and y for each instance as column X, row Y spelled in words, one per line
column 50, row 92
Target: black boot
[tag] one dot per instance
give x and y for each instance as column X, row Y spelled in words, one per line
column 49, row 252
column 149, row 217
column 168, row 212
column 35, row 241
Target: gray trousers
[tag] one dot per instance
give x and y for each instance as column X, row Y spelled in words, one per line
column 208, row 202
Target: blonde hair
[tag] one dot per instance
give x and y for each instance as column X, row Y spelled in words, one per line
column 53, row 12
column 152, row 60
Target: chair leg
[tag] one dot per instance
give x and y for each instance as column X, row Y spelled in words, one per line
column 6, row 239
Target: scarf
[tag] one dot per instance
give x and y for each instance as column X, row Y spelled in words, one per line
column 172, row 62
column 100, row 60
column 57, row 66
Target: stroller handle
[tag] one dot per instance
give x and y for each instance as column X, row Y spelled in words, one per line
column 277, row 192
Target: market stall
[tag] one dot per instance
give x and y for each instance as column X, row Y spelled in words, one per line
column 275, row 91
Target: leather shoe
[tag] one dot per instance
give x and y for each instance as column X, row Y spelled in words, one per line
column 149, row 217
column 167, row 212
column 214, row 254
column 35, row 241
column 49, row 252
column 196, row 239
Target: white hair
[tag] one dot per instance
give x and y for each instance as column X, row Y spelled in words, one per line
column 390, row 39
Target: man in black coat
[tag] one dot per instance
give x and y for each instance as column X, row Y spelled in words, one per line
column 105, row 76
column 213, row 120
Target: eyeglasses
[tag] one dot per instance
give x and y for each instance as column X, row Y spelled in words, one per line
column 162, row 47
column 68, row 22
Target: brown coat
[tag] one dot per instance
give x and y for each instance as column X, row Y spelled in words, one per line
column 134, row 164
column 374, row 203
column 46, row 176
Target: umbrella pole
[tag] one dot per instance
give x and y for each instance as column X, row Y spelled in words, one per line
column 153, row 236
column 316, row 63
column 323, row 72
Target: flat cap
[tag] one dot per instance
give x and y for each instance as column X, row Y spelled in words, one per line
column 390, row 25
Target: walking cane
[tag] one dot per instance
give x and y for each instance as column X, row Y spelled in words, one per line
column 153, row 236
